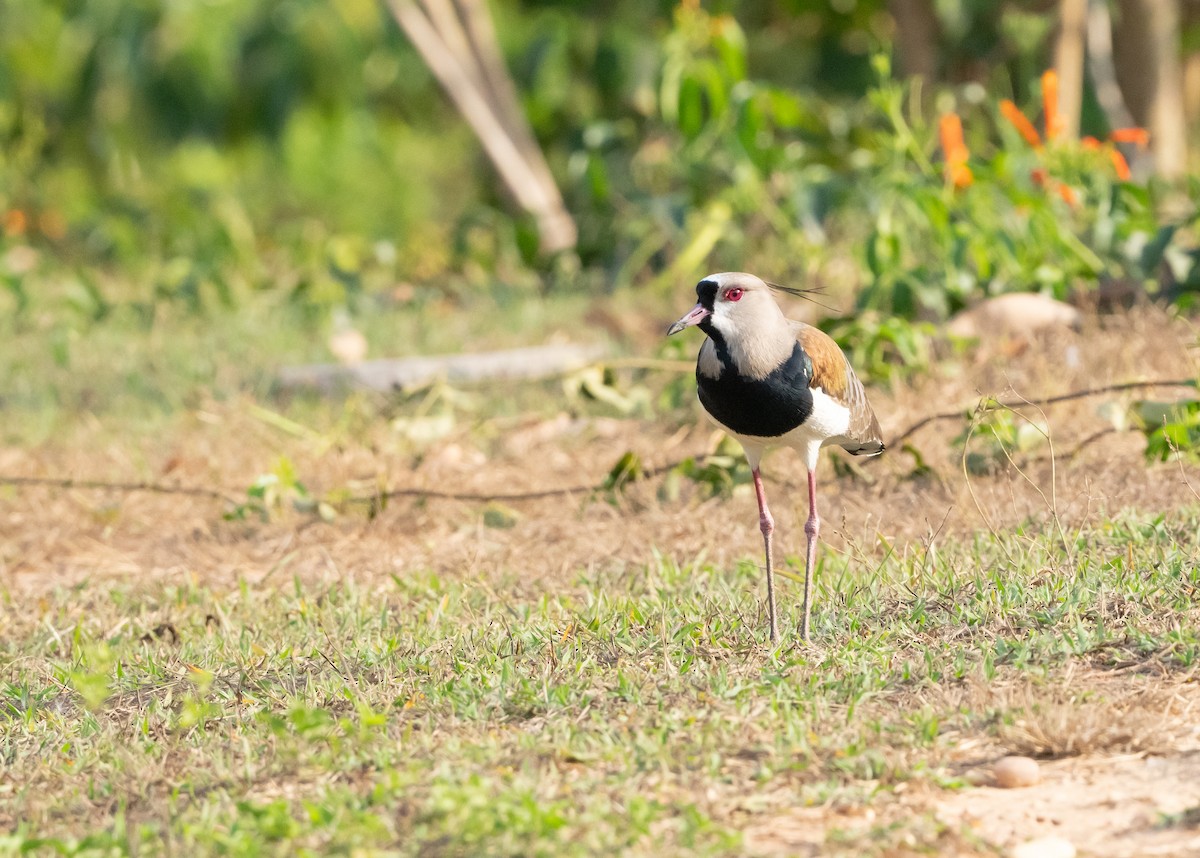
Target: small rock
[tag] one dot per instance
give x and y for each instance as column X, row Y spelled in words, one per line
column 1011, row 772
column 1044, row 847
column 1017, row 313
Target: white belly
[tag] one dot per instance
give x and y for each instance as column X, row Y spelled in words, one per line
column 828, row 422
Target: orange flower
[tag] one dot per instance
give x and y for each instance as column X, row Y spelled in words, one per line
column 1024, row 127
column 15, row 222
column 955, row 150
column 1138, row 136
column 1054, row 129
column 1044, row 180
column 951, row 131
column 1121, row 165
column 1054, row 120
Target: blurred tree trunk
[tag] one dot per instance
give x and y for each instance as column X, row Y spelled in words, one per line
column 1102, row 68
column 1068, row 63
column 1146, row 46
column 457, row 40
column 1191, row 61
column 918, row 34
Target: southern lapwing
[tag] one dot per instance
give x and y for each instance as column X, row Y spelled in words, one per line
column 772, row 382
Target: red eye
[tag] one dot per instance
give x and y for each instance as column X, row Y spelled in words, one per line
column 733, row 295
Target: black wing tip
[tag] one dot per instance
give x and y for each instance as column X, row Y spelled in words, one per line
column 868, row 450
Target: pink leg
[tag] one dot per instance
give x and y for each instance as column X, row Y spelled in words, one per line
column 767, row 525
column 811, row 528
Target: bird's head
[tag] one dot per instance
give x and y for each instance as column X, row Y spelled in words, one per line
column 733, row 304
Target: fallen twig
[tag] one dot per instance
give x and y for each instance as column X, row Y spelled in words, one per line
column 896, row 442
column 541, row 494
column 216, row 494
column 128, row 488
column 399, row 374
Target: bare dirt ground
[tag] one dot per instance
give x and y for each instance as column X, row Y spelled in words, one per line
column 1110, row 806
column 1105, row 803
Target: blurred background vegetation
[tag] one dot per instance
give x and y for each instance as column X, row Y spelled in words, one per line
column 256, row 167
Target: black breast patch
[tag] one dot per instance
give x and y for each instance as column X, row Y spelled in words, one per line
column 767, row 407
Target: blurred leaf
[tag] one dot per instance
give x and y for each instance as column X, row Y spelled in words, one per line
column 879, row 348
column 497, row 515
column 424, row 429
column 598, row 383
column 920, row 467
column 628, row 469
column 1170, row 428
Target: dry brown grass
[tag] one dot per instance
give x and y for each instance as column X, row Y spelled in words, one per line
column 1092, row 718
column 52, row 540
column 52, row 537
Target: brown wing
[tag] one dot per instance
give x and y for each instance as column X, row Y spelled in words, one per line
column 832, row 373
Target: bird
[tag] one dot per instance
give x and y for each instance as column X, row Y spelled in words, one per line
column 769, row 382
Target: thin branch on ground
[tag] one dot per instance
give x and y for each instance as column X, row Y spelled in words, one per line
column 216, row 494
column 896, row 442
column 484, row 497
column 541, row 494
column 124, row 487
column 1080, row 447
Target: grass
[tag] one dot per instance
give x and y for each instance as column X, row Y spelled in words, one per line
column 626, row 711
column 142, row 368
column 582, row 674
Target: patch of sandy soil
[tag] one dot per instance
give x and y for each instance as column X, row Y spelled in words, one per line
column 1127, row 806
column 1104, row 806
column 1130, row 785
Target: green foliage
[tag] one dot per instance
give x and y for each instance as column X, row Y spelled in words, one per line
column 268, row 493
column 883, row 347
column 627, row 469
column 92, row 678
column 716, row 474
column 757, row 175
column 599, row 383
column 1054, row 219
column 183, row 145
column 721, row 174
column 1171, row 428
column 164, row 160
column 995, row 435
